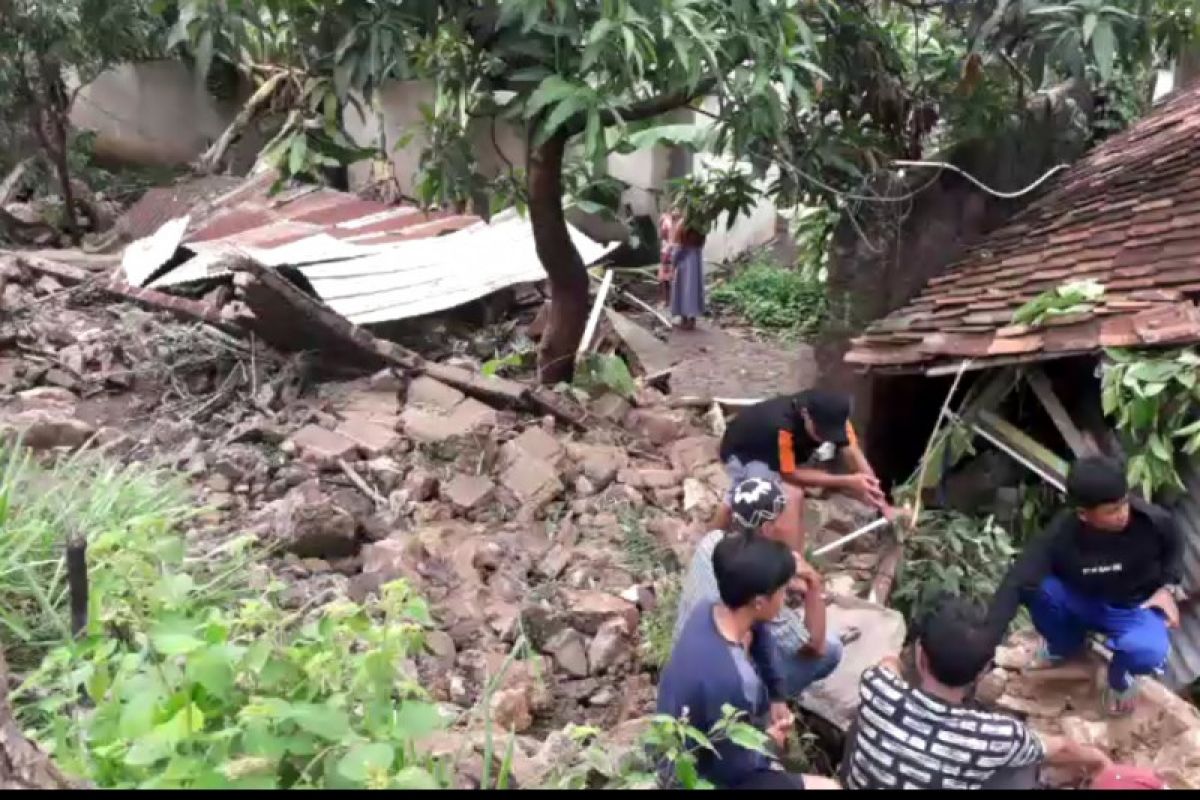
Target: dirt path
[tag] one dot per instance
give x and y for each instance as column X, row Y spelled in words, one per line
column 711, row 362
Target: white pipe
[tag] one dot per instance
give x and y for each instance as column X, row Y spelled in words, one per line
column 594, row 317
column 849, row 537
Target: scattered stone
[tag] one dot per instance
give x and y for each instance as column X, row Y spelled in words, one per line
column 374, row 439
column 1012, row 657
column 386, row 380
column 534, row 442
column 426, row 391
column 693, row 452
column 441, row 645
column 589, row 609
column 469, row 492
column 658, row 425
column 45, row 429
column 841, row 583
column 533, row 481
column 610, row 407
column 584, row 487
column 654, row 479
column 429, row 428
column 1045, row 706
column 641, row 596
column 599, row 463
column 697, row 498
column 511, row 711
column 322, row 444
column 471, row 415
column 312, row 526
column 554, row 563
column 386, row 472
column 569, row 651
column 603, row 697
column 610, row 646
column 421, row 485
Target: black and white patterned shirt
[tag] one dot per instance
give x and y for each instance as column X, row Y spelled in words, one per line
column 907, row 739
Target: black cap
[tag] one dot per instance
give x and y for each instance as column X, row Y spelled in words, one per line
column 830, row 411
column 756, row 501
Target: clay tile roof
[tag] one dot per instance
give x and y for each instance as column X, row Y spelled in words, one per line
column 1127, row 215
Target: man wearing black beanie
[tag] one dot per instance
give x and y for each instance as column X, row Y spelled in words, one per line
column 1110, row 565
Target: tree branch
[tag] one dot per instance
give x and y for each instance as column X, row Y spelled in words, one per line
column 643, row 109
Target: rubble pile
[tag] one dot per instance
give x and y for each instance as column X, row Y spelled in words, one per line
column 516, row 526
column 1163, row 733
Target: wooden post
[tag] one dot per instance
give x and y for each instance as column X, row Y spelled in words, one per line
column 1058, row 413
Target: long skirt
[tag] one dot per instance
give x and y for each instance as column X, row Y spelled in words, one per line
column 687, row 290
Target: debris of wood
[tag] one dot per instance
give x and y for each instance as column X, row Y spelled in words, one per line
column 650, row 354
column 1058, row 413
column 594, row 317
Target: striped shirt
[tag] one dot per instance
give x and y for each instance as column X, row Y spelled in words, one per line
column 907, row 739
column 700, row 588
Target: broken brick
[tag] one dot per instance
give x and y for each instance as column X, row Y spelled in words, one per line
column 313, row 440
column 532, row 480
column 534, row 442
column 373, row 438
column 425, row 391
column 468, row 492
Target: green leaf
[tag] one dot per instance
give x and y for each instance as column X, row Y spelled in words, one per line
column 552, row 89
column 417, row 720
column 297, row 153
column 331, row 724
column 414, row 778
column 213, row 669
column 1104, row 47
column 175, row 642
column 137, row 715
column 362, row 760
column 1089, row 25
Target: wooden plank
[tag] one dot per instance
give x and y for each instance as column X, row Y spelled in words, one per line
column 652, row 355
column 594, row 318
column 1022, row 447
column 1058, row 413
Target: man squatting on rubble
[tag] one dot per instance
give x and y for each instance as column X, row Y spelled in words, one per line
column 1111, row 565
column 725, row 656
column 776, row 439
column 923, row 737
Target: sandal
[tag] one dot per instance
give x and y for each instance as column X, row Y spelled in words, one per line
column 1119, row 703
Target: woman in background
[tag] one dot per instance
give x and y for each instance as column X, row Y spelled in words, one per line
column 687, row 286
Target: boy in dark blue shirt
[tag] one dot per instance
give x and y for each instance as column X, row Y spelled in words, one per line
column 725, row 656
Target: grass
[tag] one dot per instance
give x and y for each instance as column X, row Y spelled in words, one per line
column 774, row 297
column 40, row 508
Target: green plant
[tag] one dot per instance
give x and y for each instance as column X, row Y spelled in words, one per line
column 770, row 296
column 597, row 373
column 705, row 199
column 951, row 553
column 196, row 695
column 1072, row 297
column 667, row 750
column 113, row 507
column 658, row 624
column 1153, row 398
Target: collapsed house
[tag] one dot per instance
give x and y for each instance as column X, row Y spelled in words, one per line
column 1128, row 217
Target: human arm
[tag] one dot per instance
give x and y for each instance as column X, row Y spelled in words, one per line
column 1025, row 574
column 764, row 655
column 1063, row 752
column 856, row 462
column 1166, row 598
column 813, row 587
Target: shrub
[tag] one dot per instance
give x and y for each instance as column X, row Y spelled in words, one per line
column 774, row 297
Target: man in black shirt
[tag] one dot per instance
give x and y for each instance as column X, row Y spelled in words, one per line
column 1111, row 565
column 776, row 438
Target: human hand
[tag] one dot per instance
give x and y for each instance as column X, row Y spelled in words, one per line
column 806, row 578
column 781, row 726
column 866, row 488
column 1165, row 602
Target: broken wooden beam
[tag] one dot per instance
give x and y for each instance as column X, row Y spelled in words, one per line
column 1040, row 383
column 1022, row 448
column 589, row 332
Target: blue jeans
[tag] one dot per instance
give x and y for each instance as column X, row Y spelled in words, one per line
column 801, row 671
column 1137, row 636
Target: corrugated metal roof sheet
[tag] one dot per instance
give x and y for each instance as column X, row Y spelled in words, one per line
column 1183, row 665
column 368, row 261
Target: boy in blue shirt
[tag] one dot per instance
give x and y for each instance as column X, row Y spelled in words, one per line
column 725, row 656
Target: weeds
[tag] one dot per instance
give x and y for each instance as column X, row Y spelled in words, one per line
column 658, row 624
column 111, row 506
column 951, row 553
column 774, row 297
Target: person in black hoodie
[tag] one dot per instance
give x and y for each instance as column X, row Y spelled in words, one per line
column 1111, row 565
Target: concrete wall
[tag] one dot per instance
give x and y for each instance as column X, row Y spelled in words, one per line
column 150, row 113
column 399, row 113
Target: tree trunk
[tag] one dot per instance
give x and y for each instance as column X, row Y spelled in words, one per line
column 22, row 764
column 563, row 265
column 211, row 158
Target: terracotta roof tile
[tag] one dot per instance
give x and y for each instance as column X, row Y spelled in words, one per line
column 1127, row 215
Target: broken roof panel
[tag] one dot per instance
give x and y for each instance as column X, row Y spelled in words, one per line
column 369, row 261
column 1127, row 215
